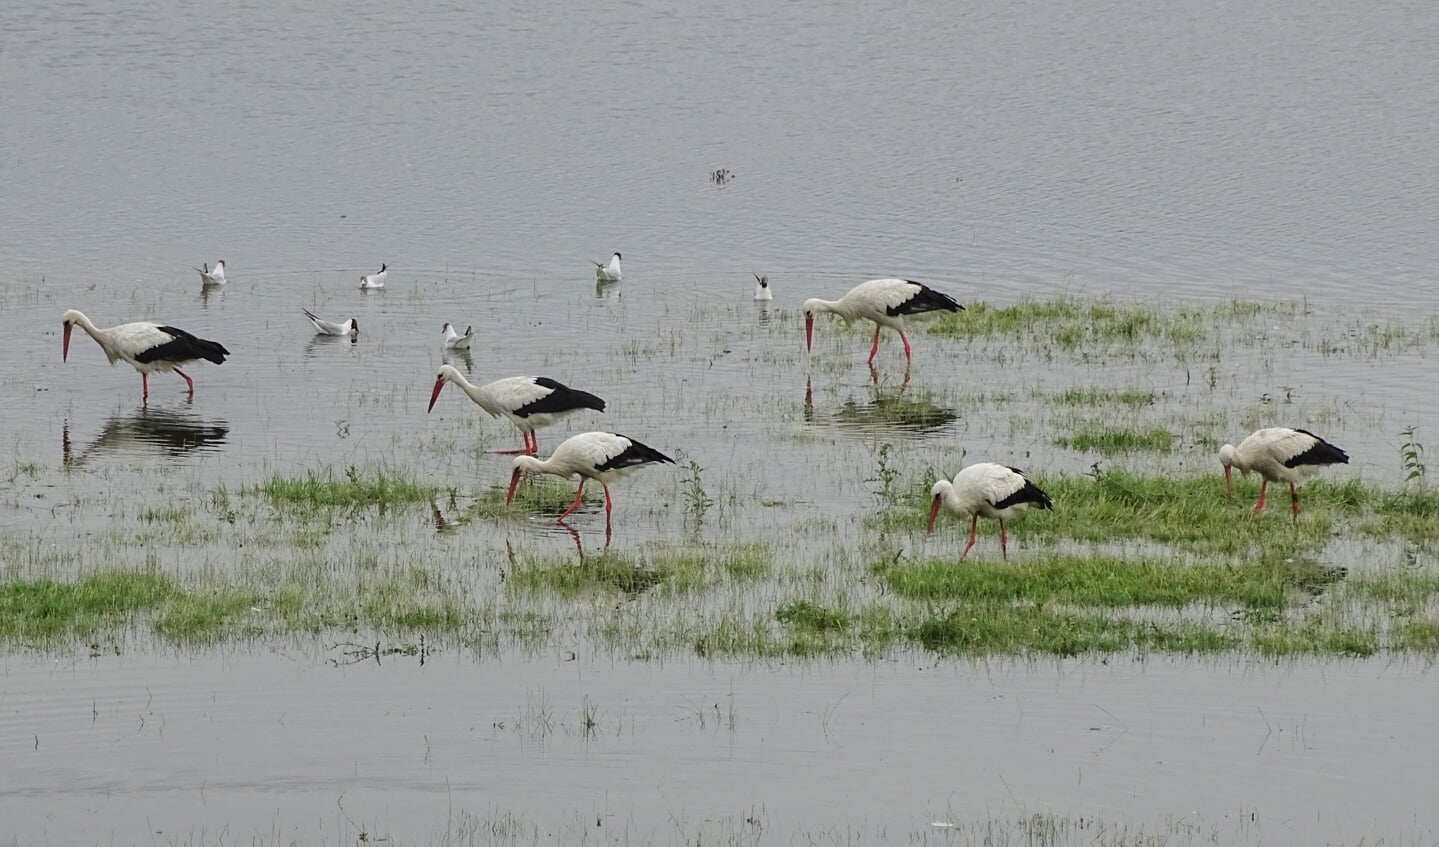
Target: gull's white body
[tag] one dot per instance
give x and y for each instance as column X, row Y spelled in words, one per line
column 762, row 291
column 375, row 280
column 213, row 277
column 610, row 272
column 324, row 327
column 455, row 341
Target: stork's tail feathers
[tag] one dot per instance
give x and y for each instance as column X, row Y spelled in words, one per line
column 1030, row 493
column 648, row 453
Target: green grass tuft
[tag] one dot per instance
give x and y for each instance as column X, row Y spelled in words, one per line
column 986, row 629
column 1072, row 323
column 803, row 614
column 353, row 490
column 1113, row 441
column 1110, row 581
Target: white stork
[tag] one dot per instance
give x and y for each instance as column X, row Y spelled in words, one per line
column 215, row 277
column 602, row 456
column 762, row 290
column 374, row 280
column 884, row 301
column 608, row 273
column 350, row 327
column 986, row 490
column 455, row 341
column 530, row 402
column 147, row 347
column 1279, row 454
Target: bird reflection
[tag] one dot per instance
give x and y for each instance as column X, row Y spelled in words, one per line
column 209, row 290
column 874, row 375
column 764, row 316
column 460, row 355
column 324, row 343
column 607, row 289
column 889, row 408
column 173, row 432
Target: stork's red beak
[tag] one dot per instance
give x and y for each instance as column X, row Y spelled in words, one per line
column 514, row 481
column 435, row 395
column 1228, row 484
column 933, row 512
column 808, row 331
column 65, row 345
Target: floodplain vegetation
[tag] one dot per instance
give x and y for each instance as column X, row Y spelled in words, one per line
column 1135, row 558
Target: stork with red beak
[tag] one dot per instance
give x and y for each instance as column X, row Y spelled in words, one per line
column 986, row 490
column 1279, row 454
column 529, row 402
column 601, row 456
column 884, row 301
column 146, row 347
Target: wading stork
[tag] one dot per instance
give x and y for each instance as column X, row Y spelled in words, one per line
column 601, row 456
column 529, row 402
column 988, row 490
column 147, row 347
column 1279, row 454
column 884, row 301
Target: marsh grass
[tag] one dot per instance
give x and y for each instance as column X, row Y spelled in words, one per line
column 985, row 629
column 1109, row 581
column 1097, row 396
column 1070, row 323
column 1192, row 514
column 673, row 569
column 354, row 490
column 107, row 601
column 1114, row 441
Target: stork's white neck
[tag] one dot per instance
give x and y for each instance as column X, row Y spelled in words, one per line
column 814, row 305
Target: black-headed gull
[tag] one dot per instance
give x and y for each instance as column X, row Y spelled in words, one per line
column 375, row 280
column 323, row 327
column 762, row 290
column 215, row 277
column 610, row 273
column 455, row 341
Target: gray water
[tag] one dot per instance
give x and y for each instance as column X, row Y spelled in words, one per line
column 1155, row 153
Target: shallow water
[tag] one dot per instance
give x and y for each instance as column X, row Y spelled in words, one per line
column 1161, row 154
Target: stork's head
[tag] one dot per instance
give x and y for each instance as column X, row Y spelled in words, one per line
column 938, row 493
column 811, row 306
column 71, row 318
column 1229, row 457
column 447, row 374
column 523, row 465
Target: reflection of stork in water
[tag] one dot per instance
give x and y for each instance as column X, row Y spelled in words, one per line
column 171, row 432
column 886, row 410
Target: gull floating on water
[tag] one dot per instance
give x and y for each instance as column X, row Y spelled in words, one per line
column 375, row 280
column 350, row 327
column 610, row 273
column 215, row 277
column 455, row 341
column 762, row 290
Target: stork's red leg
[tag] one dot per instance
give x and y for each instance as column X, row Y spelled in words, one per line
column 973, row 528
column 574, row 505
column 144, row 386
column 188, row 381
column 609, row 504
column 1294, row 501
column 875, row 347
column 521, row 452
column 534, row 442
column 1263, row 483
column 906, row 346
column 1003, row 541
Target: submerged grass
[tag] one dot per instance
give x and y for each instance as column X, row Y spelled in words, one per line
column 1110, row 581
column 1071, row 323
column 1112, row 441
column 353, row 490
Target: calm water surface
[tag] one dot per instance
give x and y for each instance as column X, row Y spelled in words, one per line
column 1160, row 153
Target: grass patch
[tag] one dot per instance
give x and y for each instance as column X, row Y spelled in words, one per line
column 987, row 629
column 675, row 569
column 1071, row 323
column 607, row 572
column 535, row 494
column 354, row 490
column 1192, row 514
column 1110, row 581
column 803, row 614
column 108, row 601
column 1113, row 441
column 1094, row 396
